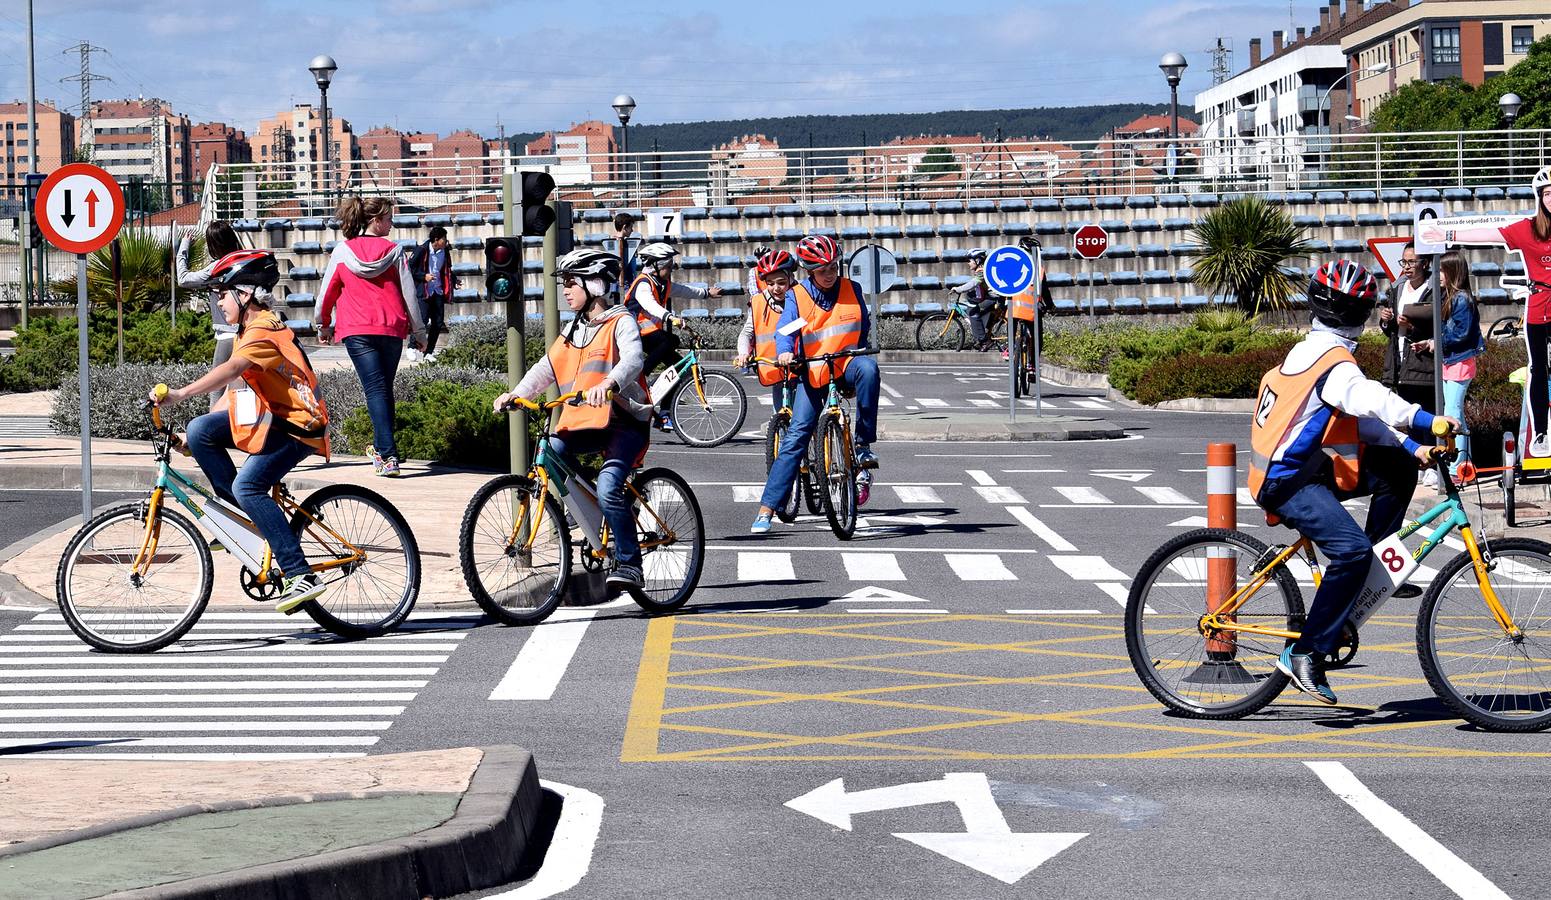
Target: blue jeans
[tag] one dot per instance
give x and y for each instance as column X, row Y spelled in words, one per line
column 376, row 361
column 1454, row 407
column 209, row 437
column 621, row 444
column 1389, row 476
column 862, row 375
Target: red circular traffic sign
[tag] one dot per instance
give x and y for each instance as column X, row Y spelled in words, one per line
column 1090, row 241
column 80, row 208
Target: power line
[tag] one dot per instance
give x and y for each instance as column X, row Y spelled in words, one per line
column 86, row 77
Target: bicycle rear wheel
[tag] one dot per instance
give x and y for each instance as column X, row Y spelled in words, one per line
column 672, row 535
column 940, row 331
column 514, row 584
column 1507, row 328
column 111, row 607
column 1497, row 681
column 837, row 477
column 371, row 596
column 775, row 434
column 1234, row 673
column 710, row 420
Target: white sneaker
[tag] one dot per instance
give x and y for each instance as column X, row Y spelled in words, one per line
column 1540, row 446
column 414, row 355
column 1430, row 479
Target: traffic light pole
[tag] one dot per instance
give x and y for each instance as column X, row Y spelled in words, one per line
column 551, row 289
column 516, row 365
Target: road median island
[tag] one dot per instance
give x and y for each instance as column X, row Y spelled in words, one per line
column 410, row 825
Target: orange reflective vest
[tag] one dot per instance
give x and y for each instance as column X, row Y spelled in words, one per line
column 583, row 368
column 830, row 330
column 646, row 323
column 1282, row 399
column 283, row 395
column 1021, row 306
column 766, row 317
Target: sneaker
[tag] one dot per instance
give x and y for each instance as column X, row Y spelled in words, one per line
column 1540, row 446
column 761, row 524
column 663, row 422
column 430, row 357
column 865, row 458
column 376, row 459
column 390, row 467
column 1407, row 591
column 626, row 577
column 1004, row 356
column 1307, row 675
column 1430, row 479
column 299, row 590
column 863, row 488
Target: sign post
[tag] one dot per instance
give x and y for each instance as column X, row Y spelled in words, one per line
column 875, row 269
column 81, row 210
column 1010, row 271
column 1090, row 242
column 1423, row 213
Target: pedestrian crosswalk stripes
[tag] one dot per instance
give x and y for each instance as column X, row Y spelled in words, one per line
column 979, row 567
column 1159, row 494
column 754, row 566
column 872, row 567
column 1079, row 494
column 15, row 427
column 914, row 494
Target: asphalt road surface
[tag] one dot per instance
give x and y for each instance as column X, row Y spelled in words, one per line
column 941, row 707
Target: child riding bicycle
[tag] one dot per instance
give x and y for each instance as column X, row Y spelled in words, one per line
column 981, row 300
column 599, row 354
column 276, row 417
column 757, row 339
column 1324, row 433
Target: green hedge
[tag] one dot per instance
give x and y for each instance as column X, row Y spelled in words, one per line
column 449, row 423
column 117, row 395
column 46, row 349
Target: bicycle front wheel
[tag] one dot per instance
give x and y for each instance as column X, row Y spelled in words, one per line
column 1496, row 680
column 114, row 608
column 775, row 435
column 713, row 413
column 368, row 596
column 672, row 536
column 1226, row 675
column 1508, row 328
column 512, row 580
column 837, row 476
column 940, row 331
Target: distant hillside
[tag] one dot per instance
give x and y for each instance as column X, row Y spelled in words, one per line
column 1061, row 123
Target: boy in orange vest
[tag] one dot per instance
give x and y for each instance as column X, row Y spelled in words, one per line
column 1323, row 433
column 277, row 417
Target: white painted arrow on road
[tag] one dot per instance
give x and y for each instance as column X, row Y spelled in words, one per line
column 1132, row 477
column 986, row 845
column 872, row 521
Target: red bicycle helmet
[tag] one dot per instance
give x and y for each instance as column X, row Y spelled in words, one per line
column 1342, row 293
column 245, row 268
column 775, row 261
column 817, row 250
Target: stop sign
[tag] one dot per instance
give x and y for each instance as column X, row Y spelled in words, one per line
column 1090, row 241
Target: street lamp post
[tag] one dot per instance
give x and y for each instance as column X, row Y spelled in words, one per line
column 1324, row 107
column 322, row 68
column 624, row 105
column 1510, row 104
column 1173, row 66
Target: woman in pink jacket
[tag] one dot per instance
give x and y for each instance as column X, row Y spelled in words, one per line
column 369, row 303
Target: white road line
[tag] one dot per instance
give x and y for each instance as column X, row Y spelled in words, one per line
column 891, row 392
column 1088, row 568
column 931, row 402
column 257, row 658
column 747, row 493
column 570, row 850
column 980, row 476
column 916, row 494
column 130, row 712
column 36, row 644
column 335, row 671
column 1041, row 530
column 979, row 567
column 1243, row 496
column 741, row 548
column 872, row 567
column 276, row 740
column 1053, row 612
column 194, row 757
column 1034, row 471
column 1082, row 495
column 761, row 567
column 1162, row 494
column 88, row 727
column 1090, row 404
column 1117, row 592
column 206, row 698
column 1125, row 506
column 884, row 401
column 544, row 657
column 981, row 401
column 1456, row 874
column 1002, row 495
column 313, row 641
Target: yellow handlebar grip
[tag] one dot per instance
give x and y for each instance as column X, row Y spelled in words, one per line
column 1440, row 428
column 161, row 391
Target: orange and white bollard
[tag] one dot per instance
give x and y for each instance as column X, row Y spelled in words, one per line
column 1222, row 511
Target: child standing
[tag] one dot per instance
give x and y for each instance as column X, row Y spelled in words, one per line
column 1462, row 343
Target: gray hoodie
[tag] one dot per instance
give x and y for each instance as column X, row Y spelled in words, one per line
column 625, row 375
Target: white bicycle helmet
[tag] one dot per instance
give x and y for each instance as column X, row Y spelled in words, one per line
column 588, row 263
column 978, row 255
column 656, row 253
column 1541, row 180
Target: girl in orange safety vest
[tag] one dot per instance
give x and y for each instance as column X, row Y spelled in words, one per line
column 277, row 416
column 599, row 354
column 757, row 339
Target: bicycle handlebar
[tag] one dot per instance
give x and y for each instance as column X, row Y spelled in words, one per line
column 574, row 398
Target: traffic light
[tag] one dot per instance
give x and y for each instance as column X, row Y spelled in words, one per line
column 535, row 190
column 503, row 269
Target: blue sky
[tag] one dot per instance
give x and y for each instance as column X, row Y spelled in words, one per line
column 437, row 65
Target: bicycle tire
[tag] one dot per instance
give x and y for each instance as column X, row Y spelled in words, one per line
column 838, row 483
column 112, row 632
column 1507, row 328
column 1510, row 482
column 1022, row 353
column 486, row 526
column 678, row 570
column 806, row 477
column 940, row 331
column 775, row 433
column 1259, row 682
column 704, row 424
column 351, row 607
column 1507, row 557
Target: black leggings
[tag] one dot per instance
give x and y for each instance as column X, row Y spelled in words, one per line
column 657, row 347
column 1537, row 335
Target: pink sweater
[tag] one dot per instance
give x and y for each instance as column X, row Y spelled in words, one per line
column 368, row 279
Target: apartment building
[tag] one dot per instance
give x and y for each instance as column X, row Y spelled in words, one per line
column 582, row 154
column 216, row 143
column 55, row 140
column 143, row 139
column 292, row 143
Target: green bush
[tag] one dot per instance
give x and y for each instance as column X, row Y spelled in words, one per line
column 1207, row 375
column 446, row 422
column 341, row 392
column 46, row 349
column 117, row 396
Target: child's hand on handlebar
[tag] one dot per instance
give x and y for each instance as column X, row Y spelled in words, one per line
column 502, row 402
column 1444, row 426
column 598, row 394
column 785, row 360
column 162, row 395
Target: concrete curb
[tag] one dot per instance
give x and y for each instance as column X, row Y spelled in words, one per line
column 481, row 846
column 17, row 596
column 1099, row 381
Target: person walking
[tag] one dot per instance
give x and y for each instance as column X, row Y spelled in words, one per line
column 431, row 266
column 1406, row 318
column 368, row 303
column 1462, row 343
column 220, row 240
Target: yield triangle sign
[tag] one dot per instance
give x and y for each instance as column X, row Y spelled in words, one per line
column 1191, row 522
column 871, row 594
column 1132, row 477
column 1005, row 857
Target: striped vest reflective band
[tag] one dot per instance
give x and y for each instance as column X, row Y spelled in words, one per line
column 583, row 368
column 829, row 330
column 286, row 393
column 646, row 323
column 1282, row 398
column 1021, row 306
column 766, row 317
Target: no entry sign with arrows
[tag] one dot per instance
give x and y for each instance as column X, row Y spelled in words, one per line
column 82, row 208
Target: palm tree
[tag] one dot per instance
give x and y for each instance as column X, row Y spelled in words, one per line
column 1244, row 244
column 146, row 262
